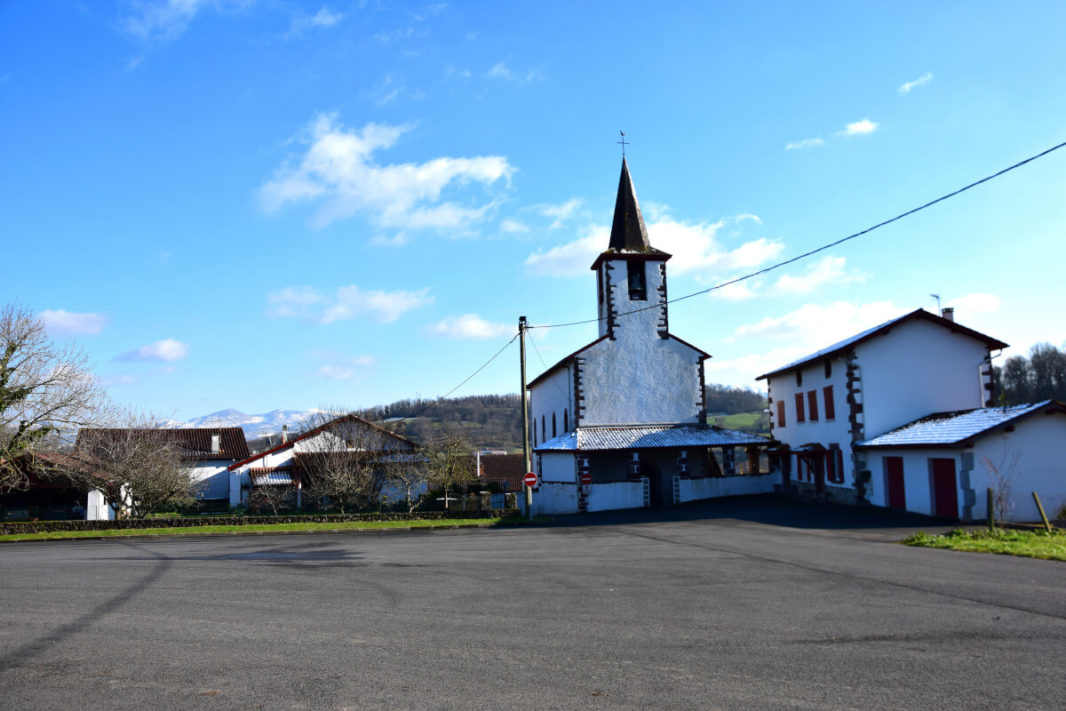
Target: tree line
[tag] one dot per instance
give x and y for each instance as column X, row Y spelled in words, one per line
column 1041, row 376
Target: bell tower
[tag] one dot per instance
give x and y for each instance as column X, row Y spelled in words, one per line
column 630, row 274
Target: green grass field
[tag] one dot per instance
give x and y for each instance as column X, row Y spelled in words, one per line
column 1030, row 544
column 264, row 528
column 747, row 421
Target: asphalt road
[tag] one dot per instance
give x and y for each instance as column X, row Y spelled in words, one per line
column 739, row 604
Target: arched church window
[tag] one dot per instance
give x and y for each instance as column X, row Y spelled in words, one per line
column 566, row 420
column 553, row 424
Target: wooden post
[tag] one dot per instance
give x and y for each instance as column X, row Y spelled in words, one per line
column 525, row 414
column 1040, row 508
column 990, row 500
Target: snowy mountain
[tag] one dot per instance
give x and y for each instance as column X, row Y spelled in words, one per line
column 253, row 425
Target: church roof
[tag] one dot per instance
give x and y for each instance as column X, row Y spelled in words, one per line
column 629, row 236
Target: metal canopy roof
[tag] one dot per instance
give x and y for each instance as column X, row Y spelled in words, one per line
column 648, row 437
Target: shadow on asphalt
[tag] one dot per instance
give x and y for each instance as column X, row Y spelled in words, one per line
column 767, row 509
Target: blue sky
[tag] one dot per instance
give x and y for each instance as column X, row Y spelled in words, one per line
column 278, row 204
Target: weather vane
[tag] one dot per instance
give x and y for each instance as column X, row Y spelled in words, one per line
column 624, row 142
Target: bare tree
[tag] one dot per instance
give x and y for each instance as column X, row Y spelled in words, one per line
column 1001, row 476
column 448, row 463
column 345, row 461
column 46, row 391
column 143, row 468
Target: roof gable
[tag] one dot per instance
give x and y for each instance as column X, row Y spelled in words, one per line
column 194, row 442
column 881, row 330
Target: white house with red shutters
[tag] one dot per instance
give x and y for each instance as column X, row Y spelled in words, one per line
column 621, row 423
column 902, row 415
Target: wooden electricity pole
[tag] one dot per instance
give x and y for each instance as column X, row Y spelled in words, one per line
column 525, row 413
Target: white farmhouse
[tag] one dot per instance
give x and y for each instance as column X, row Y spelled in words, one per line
column 822, row 405
column 621, row 423
column 286, row 464
column 944, row 464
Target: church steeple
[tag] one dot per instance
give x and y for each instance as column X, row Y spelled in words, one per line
column 628, row 232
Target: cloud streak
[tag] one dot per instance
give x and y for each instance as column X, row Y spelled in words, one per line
column 345, row 303
column 338, row 172
column 469, row 326
column 909, row 86
column 167, row 350
column 68, row 323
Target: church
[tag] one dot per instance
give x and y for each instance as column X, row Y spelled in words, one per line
column 622, row 422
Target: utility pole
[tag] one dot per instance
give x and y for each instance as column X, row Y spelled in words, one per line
column 525, row 413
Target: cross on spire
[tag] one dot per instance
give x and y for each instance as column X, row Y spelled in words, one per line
column 624, row 142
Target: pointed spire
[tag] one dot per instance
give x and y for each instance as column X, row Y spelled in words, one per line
column 628, row 232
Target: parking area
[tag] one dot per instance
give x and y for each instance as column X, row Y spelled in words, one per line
column 746, row 603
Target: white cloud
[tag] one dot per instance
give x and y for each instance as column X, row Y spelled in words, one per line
column 168, row 19
column 976, row 303
column 500, row 70
column 168, row 349
column 924, row 79
column 397, row 240
column 859, row 128
column 830, row 270
column 345, row 303
column 559, row 213
column 693, row 246
column 513, row 226
column 338, row 171
column 804, row 143
column 815, row 326
column 740, row 291
column 67, row 323
column 470, row 326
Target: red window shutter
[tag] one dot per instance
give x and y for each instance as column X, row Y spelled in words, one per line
column 780, row 413
column 830, row 407
column 812, row 405
column 799, row 407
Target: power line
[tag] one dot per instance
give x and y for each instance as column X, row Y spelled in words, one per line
column 824, row 247
column 466, row 380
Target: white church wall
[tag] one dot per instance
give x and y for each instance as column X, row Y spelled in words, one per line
column 557, row 468
column 713, row 487
column 552, row 396
column 555, row 498
column 618, row 495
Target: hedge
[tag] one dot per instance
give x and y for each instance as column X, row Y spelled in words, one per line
column 17, row 527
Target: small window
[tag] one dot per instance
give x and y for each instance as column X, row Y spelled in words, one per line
column 812, row 405
column 828, row 368
column 638, row 287
column 553, row 425
column 543, row 430
column 780, row 414
column 799, row 407
column 599, row 285
column 566, row 421
column 830, row 406
column 799, row 378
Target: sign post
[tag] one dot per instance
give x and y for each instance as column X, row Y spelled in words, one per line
column 530, row 480
column 526, row 451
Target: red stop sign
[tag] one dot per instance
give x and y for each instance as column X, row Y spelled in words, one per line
column 530, row 479
column 586, row 478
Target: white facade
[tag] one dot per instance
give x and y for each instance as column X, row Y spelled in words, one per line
column 211, row 477
column 1036, row 445
column 903, row 370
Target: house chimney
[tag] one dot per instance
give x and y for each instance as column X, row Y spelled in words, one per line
column 216, row 443
column 948, row 312
column 284, row 434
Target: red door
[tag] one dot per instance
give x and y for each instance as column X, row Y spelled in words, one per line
column 945, row 491
column 897, row 494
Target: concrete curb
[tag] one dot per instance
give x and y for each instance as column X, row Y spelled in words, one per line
column 228, row 534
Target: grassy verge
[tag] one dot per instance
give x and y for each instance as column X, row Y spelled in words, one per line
column 258, row 528
column 1031, row 544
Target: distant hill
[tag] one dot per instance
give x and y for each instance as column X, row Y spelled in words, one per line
column 487, row 421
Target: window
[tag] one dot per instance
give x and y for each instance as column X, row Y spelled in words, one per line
column 599, row 284
column 543, row 430
column 834, row 464
column 799, row 407
column 638, row 288
column 828, row 368
column 780, row 414
column 553, row 425
column 799, row 378
column 830, row 407
column 812, row 405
